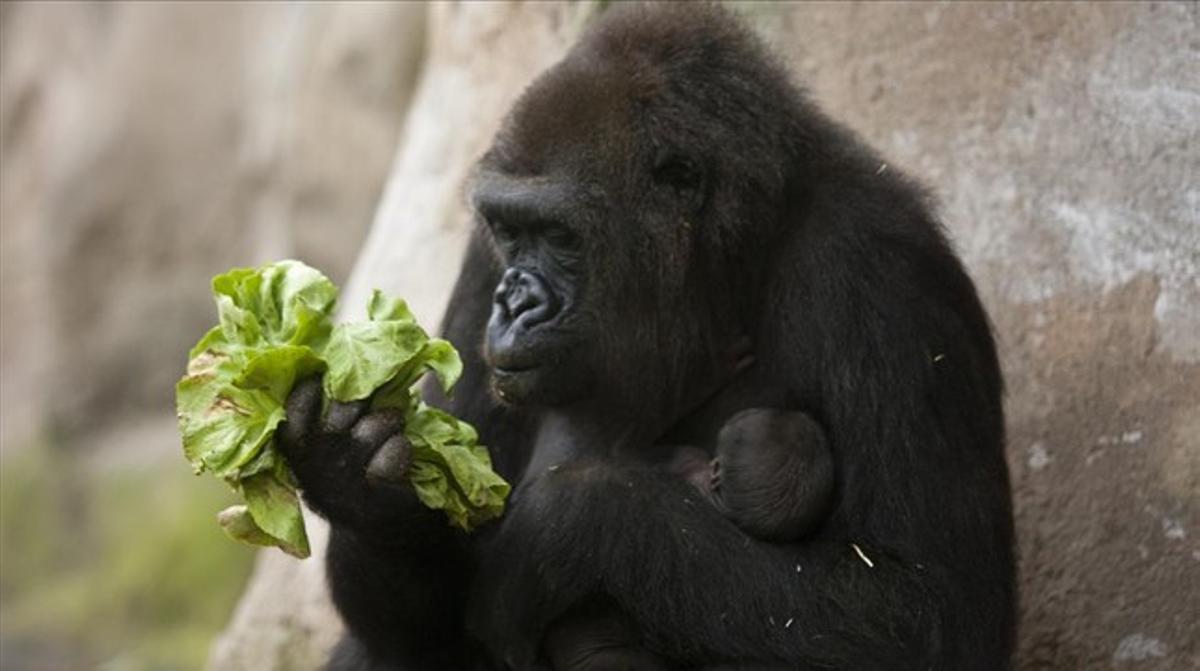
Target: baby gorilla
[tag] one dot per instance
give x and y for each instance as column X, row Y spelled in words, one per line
column 772, row 476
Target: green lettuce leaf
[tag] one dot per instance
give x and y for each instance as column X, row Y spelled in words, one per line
column 363, row 356
column 274, row 329
column 451, row 472
column 283, row 303
column 239, row 524
column 275, row 509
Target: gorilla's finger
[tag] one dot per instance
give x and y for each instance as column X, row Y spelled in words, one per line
column 342, row 416
column 390, row 464
column 302, row 409
column 377, row 427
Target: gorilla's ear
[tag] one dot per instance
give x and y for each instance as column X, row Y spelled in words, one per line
column 684, row 176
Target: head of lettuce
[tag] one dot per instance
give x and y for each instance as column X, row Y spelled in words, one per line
column 275, row 328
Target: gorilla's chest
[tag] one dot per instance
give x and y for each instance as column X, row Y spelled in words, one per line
column 752, row 389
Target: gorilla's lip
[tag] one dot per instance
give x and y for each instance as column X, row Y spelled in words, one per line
column 513, row 381
column 514, row 368
column 513, row 360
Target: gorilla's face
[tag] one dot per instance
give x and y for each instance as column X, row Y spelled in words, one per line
column 537, row 335
column 616, row 200
column 586, row 298
column 595, row 240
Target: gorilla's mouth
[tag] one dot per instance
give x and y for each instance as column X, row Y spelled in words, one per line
column 513, row 360
column 515, row 369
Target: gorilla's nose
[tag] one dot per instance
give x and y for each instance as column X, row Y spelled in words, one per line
column 523, row 297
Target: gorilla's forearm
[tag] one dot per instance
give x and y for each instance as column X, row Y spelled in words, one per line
column 698, row 589
column 398, row 573
column 402, row 600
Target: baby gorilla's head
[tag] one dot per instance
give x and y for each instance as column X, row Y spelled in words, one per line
column 772, row 475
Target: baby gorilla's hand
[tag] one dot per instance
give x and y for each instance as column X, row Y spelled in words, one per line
column 352, row 463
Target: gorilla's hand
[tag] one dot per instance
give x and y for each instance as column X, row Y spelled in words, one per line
column 351, row 463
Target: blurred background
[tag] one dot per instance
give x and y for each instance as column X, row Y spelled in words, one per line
column 146, row 147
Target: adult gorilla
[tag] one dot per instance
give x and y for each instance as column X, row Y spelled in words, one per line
column 653, row 200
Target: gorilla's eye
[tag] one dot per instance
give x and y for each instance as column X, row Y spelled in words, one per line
column 561, row 237
column 678, row 173
column 503, row 232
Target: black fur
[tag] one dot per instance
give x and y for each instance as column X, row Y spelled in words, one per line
column 703, row 199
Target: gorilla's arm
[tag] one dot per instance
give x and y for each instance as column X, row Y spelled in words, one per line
column 397, row 572
column 699, row 590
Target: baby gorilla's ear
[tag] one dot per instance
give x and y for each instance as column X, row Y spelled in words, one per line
column 776, row 473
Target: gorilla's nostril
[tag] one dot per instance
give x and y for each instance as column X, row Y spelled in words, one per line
column 524, row 294
column 521, row 298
